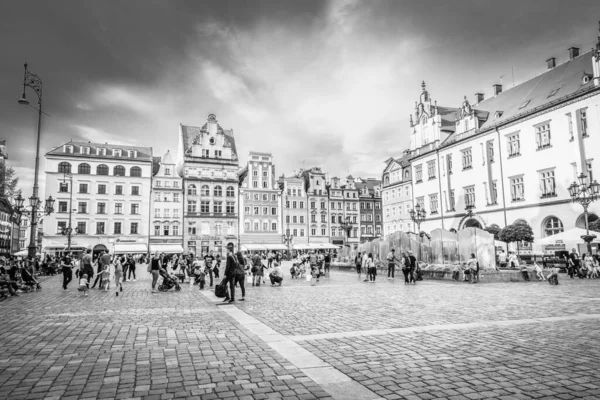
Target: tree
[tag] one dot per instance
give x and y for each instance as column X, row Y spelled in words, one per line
column 517, row 232
column 8, row 185
column 494, row 230
column 595, row 226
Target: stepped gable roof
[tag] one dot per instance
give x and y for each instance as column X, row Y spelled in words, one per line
column 566, row 78
column 143, row 153
column 189, row 134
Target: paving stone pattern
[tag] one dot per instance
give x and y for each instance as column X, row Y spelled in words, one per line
column 139, row 345
column 452, row 341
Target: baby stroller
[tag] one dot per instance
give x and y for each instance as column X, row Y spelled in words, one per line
column 28, row 282
column 168, row 282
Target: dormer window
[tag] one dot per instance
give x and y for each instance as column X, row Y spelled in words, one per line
column 116, row 153
column 100, row 151
column 498, row 114
column 68, row 149
column 205, row 153
column 586, row 79
column 552, row 93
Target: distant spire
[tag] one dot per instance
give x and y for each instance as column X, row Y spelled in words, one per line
column 423, row 85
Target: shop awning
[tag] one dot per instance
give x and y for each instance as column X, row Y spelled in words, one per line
column 327, row 246
column 167, row 248
column 278, row 246
column 303, row 246
column 252, row 247
column 122, row 248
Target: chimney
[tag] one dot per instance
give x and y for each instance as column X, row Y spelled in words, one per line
column 497, row 89
column 551, row 62
column 478, row 97
column 573, row 52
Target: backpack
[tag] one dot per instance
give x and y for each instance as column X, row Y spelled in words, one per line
column 221, row 290
column 239, row 268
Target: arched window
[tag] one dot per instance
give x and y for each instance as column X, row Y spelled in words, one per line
column 192, row 190
column 230, row 191
column 387, row 180
column 119, row 170
column 135, row 171
column 102, row 169
column 552, row 226
column 64, row 167
column 406, row 174
column 247, row 226
column 219, row 191
column 204, row 190
column 84, row 169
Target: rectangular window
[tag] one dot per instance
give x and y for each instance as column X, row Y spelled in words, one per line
column 514, row 145
column 176, row 213
column 265, row 185
column 135, row 190
column 117, row 228
column 82, row 207
column 294, row 204
column 547, row 184
column 570, row 124
column 175, row 230
column 230, row 207
column 119, row 189
column 419, row 173
column 135, row 209
column 295, row 232
column 302, row 219
column 191, row 231
column 61, row 226
column 313, row 218
column 176, row 197
column 323, row 218
column 467, row 159
column 421, row 202
column 583, row 122
column 517, row 189
column 156, row 230
column 431, row 169
column 63, row 187
column 287, row 219
column 156, row 213
column 191, row 206
column 205, row 206
column 101, row 209
column 542, row 135
column 469, row 196
column 218, row 153
column 301, row 204
column 333, row 219
column 494, row 192
column 246, row 210
column 256, row 210
column 301, row 232
column 118, row 208
column 312, row 204
column 134, row 228
column 265, row 211
column 322, row 205
column 218, row 207
column 452, row 201
column 100, row 228
column 167, row 213
column 273, row 210
column 205, row 153
column 166, row 230
column 83, row 188
column 294, row 219
column 62, row 207
column 490, row 151
column 448, row 165
column 101, row 189
column 81, row 228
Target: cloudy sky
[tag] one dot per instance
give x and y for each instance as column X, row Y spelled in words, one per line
column 317, row 83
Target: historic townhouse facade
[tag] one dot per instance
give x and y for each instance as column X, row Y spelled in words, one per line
column 109, row 196
column 260, row 202
column 166, row 233
column 513, row 156
column 294, row 213
column 208, row 163
column 371, row 221
column 318, row 214
column 396, row 197
column 344, row 204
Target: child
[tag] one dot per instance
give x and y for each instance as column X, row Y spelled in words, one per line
column 83, row 284
column 456, row 272
column 553, row 277
column 105, row 282
column 538, row 271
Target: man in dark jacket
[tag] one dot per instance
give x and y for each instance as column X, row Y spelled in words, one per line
column 229, row 274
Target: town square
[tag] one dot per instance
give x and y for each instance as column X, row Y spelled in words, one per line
column 326, row 199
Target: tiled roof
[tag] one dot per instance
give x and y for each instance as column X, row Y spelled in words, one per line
column 448, row 115
column 143, row 153
column 552, row 86
column 369, row 183
column 155, row 165
column 190, row 132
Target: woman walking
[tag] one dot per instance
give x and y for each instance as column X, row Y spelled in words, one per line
column 358, row 262
column 155, row 266
column 119, row 274
column 371, row 269
column 405, row 268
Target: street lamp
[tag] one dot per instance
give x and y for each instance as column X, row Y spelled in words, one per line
column 34, row 82
column 33, row 213
column 288, row 237
column 68, row 232
column 585, row 193
column 417, row 215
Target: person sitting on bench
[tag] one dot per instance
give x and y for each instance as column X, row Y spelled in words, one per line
column 5, row 281
column 276, row 276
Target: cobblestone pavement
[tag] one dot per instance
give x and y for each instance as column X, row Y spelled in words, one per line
column 436, row 339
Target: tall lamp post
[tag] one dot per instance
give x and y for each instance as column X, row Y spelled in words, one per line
column 34, row 82
column 346, row 225
column 33, row 213
column 417, row 215
column 585, row 193
column 69, row 232
column 288, row 237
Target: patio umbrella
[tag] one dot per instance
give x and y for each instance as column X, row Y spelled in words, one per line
column 570, row 236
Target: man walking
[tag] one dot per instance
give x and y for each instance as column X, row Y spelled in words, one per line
column 208, row 263
column 391, row 258
column 257, row 269
column 413, row 267
column 574, row 263
column 86, row 266
column 67, row 270
column 103, row 260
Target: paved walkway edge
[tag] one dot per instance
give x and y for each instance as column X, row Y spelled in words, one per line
column 425, row 328
column 339, row 385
